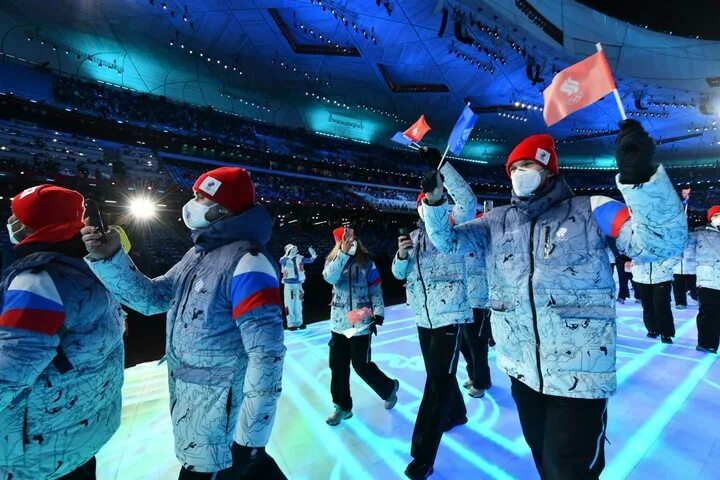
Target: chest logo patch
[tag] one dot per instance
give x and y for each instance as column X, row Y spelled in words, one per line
column 199, row 286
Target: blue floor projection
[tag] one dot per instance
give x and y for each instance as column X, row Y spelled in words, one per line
column 663, row 423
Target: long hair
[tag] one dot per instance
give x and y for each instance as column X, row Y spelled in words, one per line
column 362, row 255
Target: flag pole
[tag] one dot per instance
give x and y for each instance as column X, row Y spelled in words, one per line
column 442, row 159
column 416, row 144
column 615, row 91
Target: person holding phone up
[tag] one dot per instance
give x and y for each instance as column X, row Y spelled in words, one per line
column 224, row 346
column 437, row 292
column 357, row 308
column 61, row 349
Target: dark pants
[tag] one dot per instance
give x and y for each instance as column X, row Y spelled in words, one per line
column 623, row 279
column 83, row 472
column 681, row 285
column 657, row 313
column 708, row 319
column 566, row 435
column 355, row 350
column 474, row 348
column 265, row 470
column 442, row 403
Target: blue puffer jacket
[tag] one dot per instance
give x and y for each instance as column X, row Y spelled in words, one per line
column 436, row 288
column 437, row 283
column 705, row 247
column 551, row 288
column 354, row 286
column 687, row 265
column 224, row 335
column 57, row 317
column 652, row 273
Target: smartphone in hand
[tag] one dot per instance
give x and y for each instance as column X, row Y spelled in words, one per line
column 92, row 212
column 403, row 232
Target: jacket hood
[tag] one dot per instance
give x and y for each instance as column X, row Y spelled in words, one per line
column 553, row 193
column 253, row 225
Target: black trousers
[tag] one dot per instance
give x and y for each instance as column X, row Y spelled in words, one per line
column 268, row 469
column 83, row 472
column 356, row 351
column 442, row 403
column 474, row 348
column 566, row 435
column 681, row 285
column 708, row 319
column 623, row 279
column 657, row 313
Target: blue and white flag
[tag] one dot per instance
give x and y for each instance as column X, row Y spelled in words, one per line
column 461, row 132
column 400, row 138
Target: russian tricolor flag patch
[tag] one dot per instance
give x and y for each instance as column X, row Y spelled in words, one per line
column 32, row 302
column 609, row 214
column 374, row 277
column 254, row 284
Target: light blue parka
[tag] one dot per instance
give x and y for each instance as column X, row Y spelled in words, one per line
column 551, row 288
column 224, row 346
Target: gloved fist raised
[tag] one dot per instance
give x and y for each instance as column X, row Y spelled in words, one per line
column 431, row 156
column 430, row 181
column 634, row 151
column 378, row 319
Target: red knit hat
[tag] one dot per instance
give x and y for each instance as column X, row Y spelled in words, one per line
column 713, row 211
column 420, row 199
column 54, row 213
column 230, row 187
column 338, row 234
column 538, row 148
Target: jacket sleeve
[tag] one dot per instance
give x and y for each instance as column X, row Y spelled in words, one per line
column 256, row 309
column 400, row 267
column 131, row 287
column 312, row 258
column 32, row 316
column 375, row 289
column 461, row 193
column 468, row 237
column 657, row 226
column 334, row 268
column 262, row 337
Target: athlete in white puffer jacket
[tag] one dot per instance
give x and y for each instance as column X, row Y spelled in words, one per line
column 653, row 281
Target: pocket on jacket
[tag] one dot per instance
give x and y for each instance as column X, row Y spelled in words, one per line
column 582, row 344
column 505, row 332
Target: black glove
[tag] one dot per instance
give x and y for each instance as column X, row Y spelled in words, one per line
column 248, row 460
column 634, row 151
column 378, row 319
column 429, row 181
column 431, row 156
column 373, row 329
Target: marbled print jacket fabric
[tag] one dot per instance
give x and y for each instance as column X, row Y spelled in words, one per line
column 224, row 346
column 704, row 247
column 54, row 419
column 551, row 287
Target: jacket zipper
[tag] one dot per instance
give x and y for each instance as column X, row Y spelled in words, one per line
column 350, row 272
column 532, row 303
column 422, row 282
column 187, row 297
column 650, row 273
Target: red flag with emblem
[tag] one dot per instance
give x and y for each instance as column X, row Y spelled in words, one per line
column 417, row 130
column 577, row 87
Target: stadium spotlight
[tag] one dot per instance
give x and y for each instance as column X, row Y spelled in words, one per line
column 142, row 208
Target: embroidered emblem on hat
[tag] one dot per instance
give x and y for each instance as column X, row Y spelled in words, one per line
column 210, row 185
column 542, row 156
column 28, row 191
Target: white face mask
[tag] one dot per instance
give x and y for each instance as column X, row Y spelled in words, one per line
column 525, row 181
column 353, row 249
column 715, row 222
column 421, row 212
column 193, row 214
column 13, row 233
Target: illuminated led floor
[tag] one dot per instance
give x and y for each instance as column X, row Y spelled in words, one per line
column 663, row 423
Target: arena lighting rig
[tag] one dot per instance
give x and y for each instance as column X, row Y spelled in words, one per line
column 142, row 208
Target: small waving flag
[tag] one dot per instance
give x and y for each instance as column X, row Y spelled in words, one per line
column 400, row 138
column 461, row 132
column 417, row 130
column 577, row 87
